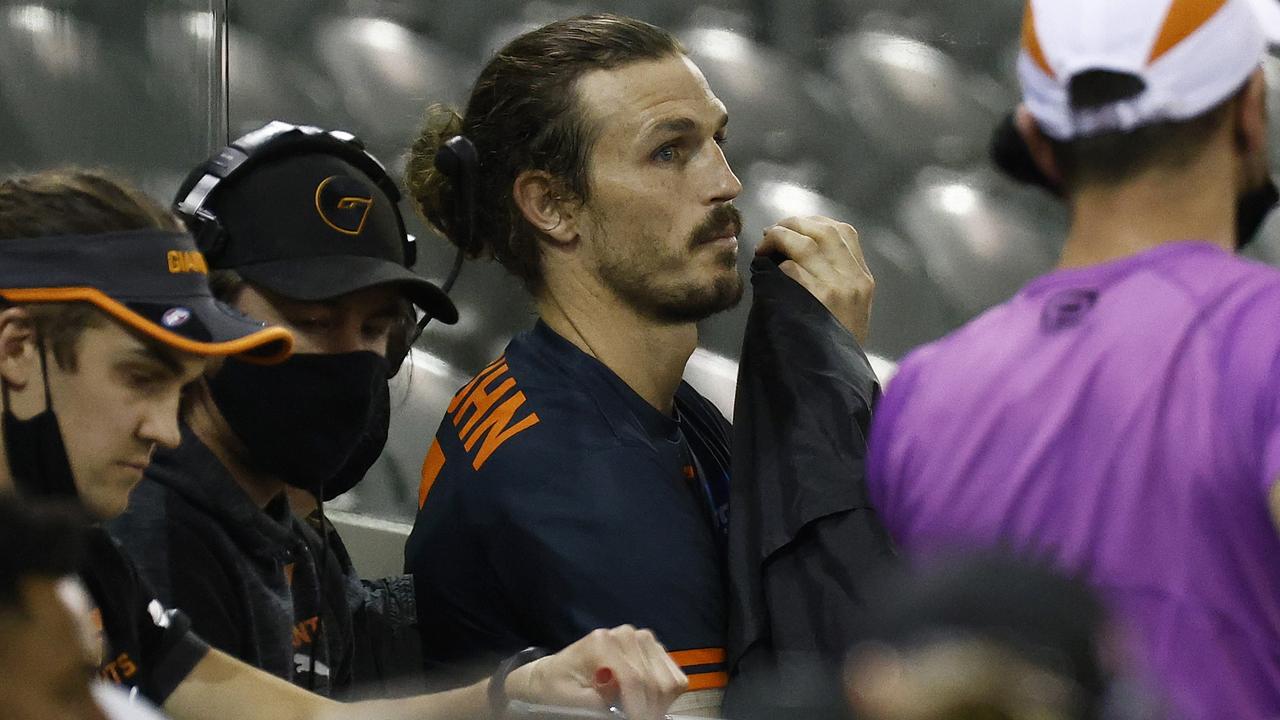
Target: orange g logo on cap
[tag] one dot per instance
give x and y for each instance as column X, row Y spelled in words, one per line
column 343, row 203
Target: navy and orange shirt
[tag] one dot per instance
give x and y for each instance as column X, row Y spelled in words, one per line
column 555, row 500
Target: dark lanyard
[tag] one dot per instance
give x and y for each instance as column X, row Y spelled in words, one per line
column 714, row 505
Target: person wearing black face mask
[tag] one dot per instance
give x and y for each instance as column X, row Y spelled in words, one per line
column 106, row 320
column 310, row 242
column 105, row 316
column 294, row 254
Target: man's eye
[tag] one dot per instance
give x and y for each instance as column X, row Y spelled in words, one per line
column 143, row 380
column 666, row 153
column 722, row 140
column 377, row 329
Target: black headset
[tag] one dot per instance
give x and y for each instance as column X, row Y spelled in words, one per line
column 274, row 140
column 457, row 159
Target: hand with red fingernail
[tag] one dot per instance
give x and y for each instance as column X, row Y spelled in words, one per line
column 623, row 667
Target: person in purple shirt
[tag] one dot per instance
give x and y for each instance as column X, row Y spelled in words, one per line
column 1120, row 416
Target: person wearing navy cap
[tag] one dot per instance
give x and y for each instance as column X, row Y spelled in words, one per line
column 299, row 227
column 304, row 232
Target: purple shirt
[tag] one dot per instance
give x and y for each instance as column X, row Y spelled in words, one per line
column 1122, row 420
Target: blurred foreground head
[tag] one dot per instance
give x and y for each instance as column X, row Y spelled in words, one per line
column 980, row 637
column 47, row 657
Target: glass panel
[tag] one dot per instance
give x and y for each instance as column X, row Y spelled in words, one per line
column 134, row 86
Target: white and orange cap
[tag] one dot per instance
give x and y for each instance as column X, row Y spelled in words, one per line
column 1190, row 55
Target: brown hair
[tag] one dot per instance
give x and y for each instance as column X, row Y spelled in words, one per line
column 524, row 115
column 1112, row 158
column 73, row 202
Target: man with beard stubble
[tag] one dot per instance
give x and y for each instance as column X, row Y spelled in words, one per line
column 577, row 482
column 106, row 320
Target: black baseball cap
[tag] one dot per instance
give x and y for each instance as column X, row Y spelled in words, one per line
column 312, row 226
column 152, row 281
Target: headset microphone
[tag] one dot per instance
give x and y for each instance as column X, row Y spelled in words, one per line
column 458, row 160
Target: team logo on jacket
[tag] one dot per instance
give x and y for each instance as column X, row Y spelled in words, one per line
column 344, row 203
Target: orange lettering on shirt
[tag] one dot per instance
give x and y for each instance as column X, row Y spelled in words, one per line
column 465, row 391
column 119, row 670
column 430, row 471
column 497, row 429
column 304, row 632
column 482, row 398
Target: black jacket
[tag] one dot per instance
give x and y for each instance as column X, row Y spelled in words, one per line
column 803, row 539
column 145, row 645
column 250, row 579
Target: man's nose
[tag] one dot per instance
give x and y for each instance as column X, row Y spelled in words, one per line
column 159, row 422
column 725, row 184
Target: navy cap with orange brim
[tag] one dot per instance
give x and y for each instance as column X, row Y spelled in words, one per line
column 154, row 282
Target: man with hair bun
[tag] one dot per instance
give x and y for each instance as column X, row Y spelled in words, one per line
column 576, row 481
column 106, row 319
column 1118, row 416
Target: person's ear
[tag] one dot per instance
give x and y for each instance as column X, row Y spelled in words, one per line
column 17, row 346
column 1038, row 144
column 1250, row 115
column 543, row 204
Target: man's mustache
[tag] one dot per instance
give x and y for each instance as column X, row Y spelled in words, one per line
column 724, row 220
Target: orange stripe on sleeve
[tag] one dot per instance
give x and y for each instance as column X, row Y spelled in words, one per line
column 430, row 471
column 688, row 659
column 1031, row 41
column 708, row 681
column 1184, row 18
column 702, row 656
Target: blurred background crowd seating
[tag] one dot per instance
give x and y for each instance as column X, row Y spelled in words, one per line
column 877, row 112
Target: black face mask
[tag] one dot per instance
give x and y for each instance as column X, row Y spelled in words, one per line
column 368, row 447
column 1252, row 209
column 303, row 419
column 37, row 457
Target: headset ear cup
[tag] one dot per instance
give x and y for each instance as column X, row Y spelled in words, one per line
column 211, row 240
